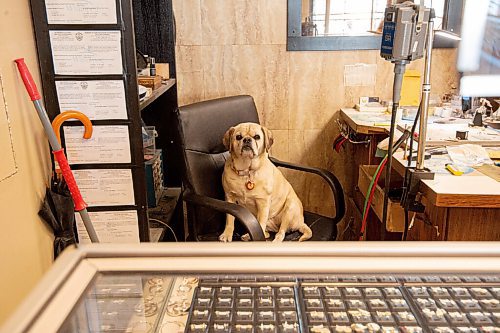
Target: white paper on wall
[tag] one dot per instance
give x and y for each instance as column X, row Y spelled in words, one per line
column 360, row 75
column 97, row 99
column 108, row 144
column 106, row 187
column 111, row 227
column 76, row 52
column 81, row 11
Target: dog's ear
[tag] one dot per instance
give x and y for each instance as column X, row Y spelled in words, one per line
column 226, row 140
column 268, row 138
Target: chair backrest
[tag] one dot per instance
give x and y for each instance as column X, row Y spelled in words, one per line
column 201, row 127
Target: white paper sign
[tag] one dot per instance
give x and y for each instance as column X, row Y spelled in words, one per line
column 86, row 52
column 108, row 144
column 81, row 11
column 111, row 227
column 105, row 187
column 360, row 75
column 102, row 99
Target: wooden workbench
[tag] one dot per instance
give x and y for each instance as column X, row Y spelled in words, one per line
column 457, row 207
column 364, row 122
column 437, row 134
column 463, row 207
column 472, row 190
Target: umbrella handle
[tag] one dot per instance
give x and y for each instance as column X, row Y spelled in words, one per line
column 70, row 180
column 72, row 114
column 29, row 83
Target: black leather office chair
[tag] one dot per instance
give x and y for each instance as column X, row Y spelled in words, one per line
column 201, row 127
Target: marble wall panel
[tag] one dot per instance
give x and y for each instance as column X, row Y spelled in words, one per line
column 189, row 59
column 444, row 75
column 271, row 15
column 280, row 148
column 190, row 88
column 188, row 21
column 316, row 85
column 219, row 22
column 257, row 70
column 243, row 22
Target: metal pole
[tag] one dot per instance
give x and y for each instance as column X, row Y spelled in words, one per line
column 47, row 126
column 399, row 70
column 426, row 92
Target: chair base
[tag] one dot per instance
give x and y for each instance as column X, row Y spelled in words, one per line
column 321, row 226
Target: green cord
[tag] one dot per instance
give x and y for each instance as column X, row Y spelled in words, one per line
column 365, row 209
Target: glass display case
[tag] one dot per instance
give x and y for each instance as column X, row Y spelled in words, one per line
column 268, row 288
column 124, row 302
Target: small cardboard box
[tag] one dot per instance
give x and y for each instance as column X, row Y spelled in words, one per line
column 163, row 69
column 153, row 82
column 395, row 213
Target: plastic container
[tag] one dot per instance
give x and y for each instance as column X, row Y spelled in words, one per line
column 148, row 141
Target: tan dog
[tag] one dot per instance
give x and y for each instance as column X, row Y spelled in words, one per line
column 251, row 180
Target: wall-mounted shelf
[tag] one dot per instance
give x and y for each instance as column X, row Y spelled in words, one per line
column 166, row 85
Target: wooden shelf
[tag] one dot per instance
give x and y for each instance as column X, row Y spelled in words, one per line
column 166, row 85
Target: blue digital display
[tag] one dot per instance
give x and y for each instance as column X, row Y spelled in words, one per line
column 388, row 38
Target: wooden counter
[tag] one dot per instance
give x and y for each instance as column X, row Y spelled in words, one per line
column 463, row 207
column 365, row 122
column 446, row 190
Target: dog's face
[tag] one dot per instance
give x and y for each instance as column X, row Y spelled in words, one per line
column 248, row 140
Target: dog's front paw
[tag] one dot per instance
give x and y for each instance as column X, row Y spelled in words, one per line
column 246, row 238
column 226, row 236
column 264, row 230
column 279, row 237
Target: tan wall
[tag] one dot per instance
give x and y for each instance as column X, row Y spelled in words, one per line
column 25, row 242
column 239, row 47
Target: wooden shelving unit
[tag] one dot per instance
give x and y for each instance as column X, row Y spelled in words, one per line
column 166, row 85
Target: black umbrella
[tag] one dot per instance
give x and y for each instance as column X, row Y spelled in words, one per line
column 59, row 214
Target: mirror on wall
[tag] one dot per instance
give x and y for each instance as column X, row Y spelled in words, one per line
column 355, row 25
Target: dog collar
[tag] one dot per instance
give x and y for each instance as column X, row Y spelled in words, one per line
column 250, row 185
column 241, row 172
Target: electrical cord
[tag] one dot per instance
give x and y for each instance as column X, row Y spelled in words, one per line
column 369, row 195
column 407, row 225
column 412, row 134
column 399, row 69
column 373, row 184
column 166, row 225
column 407, row 178
column 349, row 136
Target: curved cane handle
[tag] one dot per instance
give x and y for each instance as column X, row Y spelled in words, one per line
column 72, row 114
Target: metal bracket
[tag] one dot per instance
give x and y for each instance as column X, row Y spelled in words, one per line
column 414, row 176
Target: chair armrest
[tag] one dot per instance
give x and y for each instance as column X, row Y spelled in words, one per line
column 241, row 213
column 333, row 182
